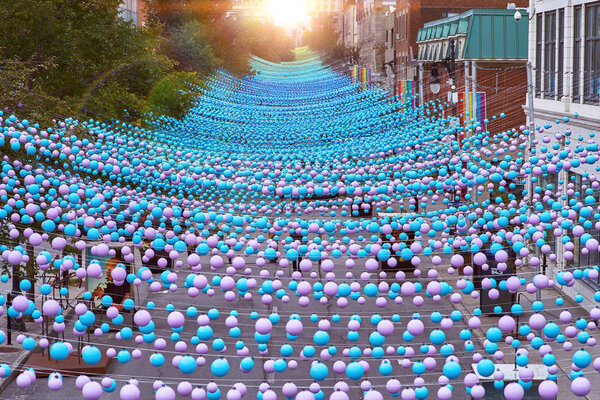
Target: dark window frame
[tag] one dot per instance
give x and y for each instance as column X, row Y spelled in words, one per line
column 561, row 53
column 550, row 54
column 591, row 69
column 577, row 15
column 539, row 67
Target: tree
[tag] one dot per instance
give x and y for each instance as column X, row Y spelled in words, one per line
column 190, row 45
column 81, row 39
column 172, row 13
column 324, row 37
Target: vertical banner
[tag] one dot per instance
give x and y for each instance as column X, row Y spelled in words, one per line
column 406, row 91
column 466, row 106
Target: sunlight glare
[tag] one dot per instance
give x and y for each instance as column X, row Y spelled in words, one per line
column 287, row 13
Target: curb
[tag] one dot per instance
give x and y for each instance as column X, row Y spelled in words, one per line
column 24, row 355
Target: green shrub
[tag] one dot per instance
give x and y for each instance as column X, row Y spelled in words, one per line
column 114, row 100
column 174, row 94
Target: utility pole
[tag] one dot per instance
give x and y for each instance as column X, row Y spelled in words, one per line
column 474, row 89
column 421, row 84
column 530, row 88
column 452, row 71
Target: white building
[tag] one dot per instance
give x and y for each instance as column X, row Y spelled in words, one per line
column 564, row 50
column 317, row 7
column 133, row 11
column 251, row 9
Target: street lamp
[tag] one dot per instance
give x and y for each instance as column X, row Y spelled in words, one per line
column 518, row 15
column 434, row 81
column 450, row 65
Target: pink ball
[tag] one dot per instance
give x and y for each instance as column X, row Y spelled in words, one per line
column 294, row 327
column 581, row 386
column 385, row 327
column 514, row 391
column 92, row 390
column 457, row 260
column 142, row 318
column 415, row 327
column 548, row 389
column 165, row 393
column 129, row 392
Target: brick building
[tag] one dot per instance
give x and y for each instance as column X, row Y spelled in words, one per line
column 411, row 15
column 133, row 11
column 490, row 52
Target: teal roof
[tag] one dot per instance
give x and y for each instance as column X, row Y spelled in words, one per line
column 483, row 34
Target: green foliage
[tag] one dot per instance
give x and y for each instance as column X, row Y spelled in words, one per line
column 189, row 44
column 267, row 41
column 175, row 94
column 324, row 37
column 126, row 87
column 61, row 58
column 172, row 13
column 81, row 39
column 113, row 100
column 20, row 92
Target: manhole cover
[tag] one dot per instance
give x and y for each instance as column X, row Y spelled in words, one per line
column 5, row 349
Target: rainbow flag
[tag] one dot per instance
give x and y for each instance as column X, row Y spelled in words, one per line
column 465, row 105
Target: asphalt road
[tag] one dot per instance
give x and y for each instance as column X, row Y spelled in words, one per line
column 146, row 374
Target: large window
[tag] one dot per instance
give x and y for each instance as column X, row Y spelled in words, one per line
column 561, row 47
column 550, row 54
column 539, row 38
column 577, row 55
column 591, row 73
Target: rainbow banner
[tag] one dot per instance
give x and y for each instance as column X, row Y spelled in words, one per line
column 406, row 91
column 465, row 105
column 361, row 75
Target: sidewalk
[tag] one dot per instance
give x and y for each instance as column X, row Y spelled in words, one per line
column 14, row 355
column 551, row 312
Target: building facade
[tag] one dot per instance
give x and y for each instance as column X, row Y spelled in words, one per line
column 251, row 9
column 349, row 32
column 317, row 7
column 490, row 56
column 133, row 11
column 411, row 15
column 375, row 40
column 564, row 52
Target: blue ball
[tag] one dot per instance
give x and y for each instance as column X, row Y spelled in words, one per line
column 354, row 371
column 123, row 356
column 319, row 371
column 247, row 364
column 187, row 364
column 91, row 355
column 157, row 359
column 582, row 359
column 452, row 370
column 59, row 351
column 486, row 367
column 220, row 367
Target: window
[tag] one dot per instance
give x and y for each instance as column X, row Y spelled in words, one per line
column 561, row 48
column 591, row 72
column 538, row 54
column 577, row 55
column 582, row 258
column 550, row 54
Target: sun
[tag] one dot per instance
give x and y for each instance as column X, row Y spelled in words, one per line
column 287, row 13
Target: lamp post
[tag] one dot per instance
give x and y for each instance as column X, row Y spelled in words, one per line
column 450, row 64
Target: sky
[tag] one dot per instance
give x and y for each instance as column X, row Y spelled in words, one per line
column 288, row 13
